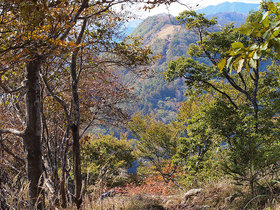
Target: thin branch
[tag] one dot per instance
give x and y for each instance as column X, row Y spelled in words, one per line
column 243, row 81
column 8, row 90
column 255, row 92
column 215, row 88
column 20, row 114
column 59, row 100
column 89, row 124
column 204, row 50
column 12, row 131
column 233, row 84
column 15, row 156
column 230, row 80
column 75, row 18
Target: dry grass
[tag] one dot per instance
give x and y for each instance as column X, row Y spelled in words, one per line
column 213, row 196
column 168, row 30
column 222, row 195
column 122, row 203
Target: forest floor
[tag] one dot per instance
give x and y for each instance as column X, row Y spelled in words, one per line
column 221, row 195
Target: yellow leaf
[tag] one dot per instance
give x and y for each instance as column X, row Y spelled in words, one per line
column 222, row 64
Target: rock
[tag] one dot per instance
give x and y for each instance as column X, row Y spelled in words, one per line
column 196, row 199
column 138, row 197
column 204, row 207
column 229, row 199
column 192, row 192
column 108, row 194
column 153, row 207
column 171, row 203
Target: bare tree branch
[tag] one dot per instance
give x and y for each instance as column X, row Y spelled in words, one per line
column 12, row 131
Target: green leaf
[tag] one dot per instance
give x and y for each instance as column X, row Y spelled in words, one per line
column 240, row 65
column 265, row 22
column 274, row 24
column 229, row 61
column 237, row 45
column 245, row 30
column 256, row 55
column 266, row 34
column 276, row 31
column 253, row 63
column 254, row 46
column 265, row 16
column 230, row 68
column 247, row 67
column 264, row 46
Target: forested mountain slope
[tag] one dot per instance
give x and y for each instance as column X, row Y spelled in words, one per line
column 164, row 34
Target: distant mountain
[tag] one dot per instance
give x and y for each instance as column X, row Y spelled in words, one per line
column 239, row 7
column 224, row 18
column 226, row 12
column 166, row 36
column 131, row 26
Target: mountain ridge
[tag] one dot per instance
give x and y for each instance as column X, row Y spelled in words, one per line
column 239, row 7
column 211, row 10
column 166, row 36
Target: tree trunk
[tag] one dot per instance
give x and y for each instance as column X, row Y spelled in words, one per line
column 75, row 128
column 63, row 167
column 32, row 135
column 77, row 166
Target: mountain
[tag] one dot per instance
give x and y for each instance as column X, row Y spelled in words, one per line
column 239, row 7
column 224, row 18
column 166, row 36
column 226, row 12
column 130, row 26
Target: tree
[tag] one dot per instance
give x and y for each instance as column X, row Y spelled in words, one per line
column 239, row 114
column 264, row 32
column 98, row 102
column 198, row 152
column 156, row 144
column 104, row 158
column 29, row 39
column 31, row 33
